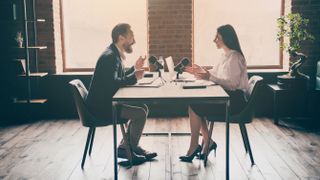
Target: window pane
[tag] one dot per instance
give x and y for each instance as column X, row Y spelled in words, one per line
column 88, row 26
column 253, row 20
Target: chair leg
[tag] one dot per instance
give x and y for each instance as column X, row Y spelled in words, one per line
column 211, row 124
column 247, row 142
column 91, row 141
column 86, row 147
column 127, row 143
column 243, row 138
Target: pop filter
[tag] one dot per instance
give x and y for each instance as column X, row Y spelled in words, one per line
column 154, row 61
column 183, row 63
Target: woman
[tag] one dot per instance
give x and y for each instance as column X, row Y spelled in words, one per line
column 231, row 74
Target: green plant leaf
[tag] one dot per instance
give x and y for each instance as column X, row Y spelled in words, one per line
column 294, row 27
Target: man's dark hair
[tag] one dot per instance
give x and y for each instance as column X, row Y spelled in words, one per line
column 119, row 29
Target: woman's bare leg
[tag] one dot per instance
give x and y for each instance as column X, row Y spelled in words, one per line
column 205, row 136
column 195, row 124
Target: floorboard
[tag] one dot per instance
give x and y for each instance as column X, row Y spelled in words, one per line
column 52, row 149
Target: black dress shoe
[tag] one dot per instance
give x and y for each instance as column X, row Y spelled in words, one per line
column 142, row 152
column 136, row 159
column 190, row 158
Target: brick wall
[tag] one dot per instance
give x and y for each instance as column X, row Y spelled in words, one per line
column 170, row 28
column 57, row 36
column 310, row 9
column 46, row 60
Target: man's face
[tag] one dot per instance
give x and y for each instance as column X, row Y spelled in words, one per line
column 128, row 42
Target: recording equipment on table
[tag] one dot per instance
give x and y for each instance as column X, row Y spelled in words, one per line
column 153, row 60
column 294, row 79
column 181, row 65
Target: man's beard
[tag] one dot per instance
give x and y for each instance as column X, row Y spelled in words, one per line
column 128, row 48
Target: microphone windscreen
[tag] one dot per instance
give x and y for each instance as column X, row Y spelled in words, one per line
column 152, row 60
column 185, row 61
column 179, row 67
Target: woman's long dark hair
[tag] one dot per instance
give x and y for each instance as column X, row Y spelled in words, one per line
column 229, row 37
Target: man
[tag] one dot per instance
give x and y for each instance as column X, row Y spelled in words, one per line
column 108, row 77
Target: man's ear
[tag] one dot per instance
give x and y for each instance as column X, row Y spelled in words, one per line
column 121, row 37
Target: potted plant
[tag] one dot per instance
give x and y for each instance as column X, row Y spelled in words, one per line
column 293, row 28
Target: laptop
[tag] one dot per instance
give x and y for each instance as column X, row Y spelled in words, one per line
column 170, row 65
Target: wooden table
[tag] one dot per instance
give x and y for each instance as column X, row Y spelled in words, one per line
column 167, row 94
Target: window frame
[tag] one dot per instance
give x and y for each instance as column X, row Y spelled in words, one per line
column 63, row 47
column 281, row 53
column 68, row 69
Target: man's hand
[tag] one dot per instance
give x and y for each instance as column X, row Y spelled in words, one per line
column 140, row 62
column 139, row 73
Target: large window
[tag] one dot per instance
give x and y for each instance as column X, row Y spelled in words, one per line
column 254, row 22
column 87, row 27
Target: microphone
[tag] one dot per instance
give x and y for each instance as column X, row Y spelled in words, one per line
column 154, row 61
column 183, row 63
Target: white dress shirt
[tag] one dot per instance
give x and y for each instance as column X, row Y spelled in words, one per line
column 231, row 72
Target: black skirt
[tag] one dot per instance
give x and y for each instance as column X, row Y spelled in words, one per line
column 237, row 104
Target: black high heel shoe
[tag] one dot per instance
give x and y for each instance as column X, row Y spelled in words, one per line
column 190, row 158
column 212, row 147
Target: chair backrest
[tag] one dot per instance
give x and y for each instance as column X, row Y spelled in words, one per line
column 80, row 93
column 246, row 115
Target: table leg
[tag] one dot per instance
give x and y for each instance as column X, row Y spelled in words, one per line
column 115, row 150
column 227, row 140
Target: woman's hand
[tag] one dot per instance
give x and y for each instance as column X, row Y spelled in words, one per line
column 188, row 69
column 198, row 72
column 198, row 69
column 202, row 75
column 193, row 69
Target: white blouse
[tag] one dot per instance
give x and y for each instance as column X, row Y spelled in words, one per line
column 231, row 72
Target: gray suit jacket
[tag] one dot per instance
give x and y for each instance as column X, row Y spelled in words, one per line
column 109, row 76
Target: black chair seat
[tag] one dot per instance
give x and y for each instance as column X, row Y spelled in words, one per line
column 245, row 116
column 87, row 119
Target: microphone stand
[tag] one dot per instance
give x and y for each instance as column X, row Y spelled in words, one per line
column 163, row 81
column 177, row 76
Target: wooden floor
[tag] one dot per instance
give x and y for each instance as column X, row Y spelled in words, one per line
column 53, row 150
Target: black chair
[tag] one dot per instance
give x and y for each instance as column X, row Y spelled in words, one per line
column 80, row 93
column 245, row 116
column 314, row 98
